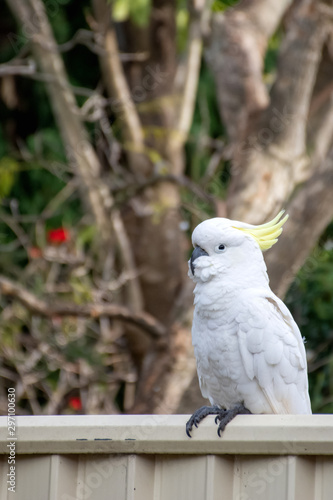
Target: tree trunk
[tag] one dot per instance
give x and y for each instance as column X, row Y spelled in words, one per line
column 153, row 217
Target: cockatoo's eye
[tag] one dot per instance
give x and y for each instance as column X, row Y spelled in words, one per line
column 220, row 248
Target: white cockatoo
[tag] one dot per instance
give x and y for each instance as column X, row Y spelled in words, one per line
column 250, row 353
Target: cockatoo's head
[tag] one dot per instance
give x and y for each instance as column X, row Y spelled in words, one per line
column 223, row 246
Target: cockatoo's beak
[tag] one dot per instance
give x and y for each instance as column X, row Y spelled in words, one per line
column 197, row 252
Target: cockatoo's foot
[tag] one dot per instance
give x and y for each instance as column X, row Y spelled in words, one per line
column 201, row 413
column 227, row 415
column 222, row 416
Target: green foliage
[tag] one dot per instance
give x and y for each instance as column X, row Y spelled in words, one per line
column 8, row 168
column 222, row 5
column 310, row 300
column 182, row 25
column 34, row 187
column 272, row 55
column 46, row 143
column 59, row 22
column 138, row 12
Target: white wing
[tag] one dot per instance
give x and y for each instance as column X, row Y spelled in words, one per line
column 273, row 352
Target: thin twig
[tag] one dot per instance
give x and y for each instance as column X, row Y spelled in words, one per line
column 63, row 195
column 49, row 310
column 132, row 189
column 17, row 229
column 86, row 37
column 135, row 298
column 213, row 163
column 16, row 69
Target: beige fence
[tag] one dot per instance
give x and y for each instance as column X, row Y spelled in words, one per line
column 149, row 457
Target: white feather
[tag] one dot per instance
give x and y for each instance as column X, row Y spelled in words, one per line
column 247, row 345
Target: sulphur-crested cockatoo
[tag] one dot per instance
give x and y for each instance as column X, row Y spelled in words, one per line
column 249, row 351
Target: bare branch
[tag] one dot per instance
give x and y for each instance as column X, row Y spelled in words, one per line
column 114, row 76
column 322, row 134
column 133, row 289
column 273, row 159
column 86, row 37
column 214, row 162
column 320, row 120
column 17, row 229
column 310, row 211
column 192, row 69
column 136, row 187
column 94, row 311
column 298, row 63
column 18, row 69
column 235, row 53
column 163, row 48
column 62, row 196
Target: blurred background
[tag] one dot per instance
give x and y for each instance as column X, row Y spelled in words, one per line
column 123, row 125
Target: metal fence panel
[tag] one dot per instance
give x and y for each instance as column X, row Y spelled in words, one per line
column 150, row 458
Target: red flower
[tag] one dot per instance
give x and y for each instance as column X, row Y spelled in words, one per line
column 58, row 236
column 75, row 403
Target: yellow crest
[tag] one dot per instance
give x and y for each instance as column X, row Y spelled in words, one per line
column 267, row 234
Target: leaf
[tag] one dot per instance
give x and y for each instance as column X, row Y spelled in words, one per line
column 8, row 167
column 86, row 235
column 121, row 10
column 182, row 25
column 138, row 11
column 222, row 5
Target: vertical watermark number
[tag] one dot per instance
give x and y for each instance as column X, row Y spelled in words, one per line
column 11, row 427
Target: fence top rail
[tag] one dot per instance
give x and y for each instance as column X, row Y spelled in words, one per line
column 165, row 434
